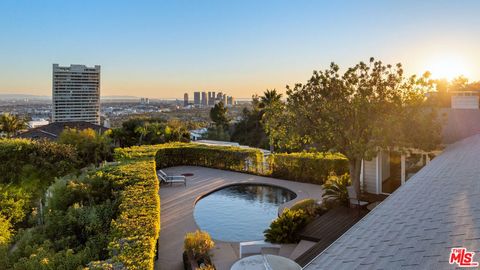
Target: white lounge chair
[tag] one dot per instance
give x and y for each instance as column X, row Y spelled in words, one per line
column 163, row 177
column 353, row 198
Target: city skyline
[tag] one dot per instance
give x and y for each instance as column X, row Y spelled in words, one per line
column 162, row 50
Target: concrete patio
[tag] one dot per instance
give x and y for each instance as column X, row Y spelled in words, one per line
column 177, row 205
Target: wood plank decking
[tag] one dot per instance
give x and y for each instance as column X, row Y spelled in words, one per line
column 326, row 229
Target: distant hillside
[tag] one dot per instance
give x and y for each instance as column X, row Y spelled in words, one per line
column 39, row 97
column 23, row 96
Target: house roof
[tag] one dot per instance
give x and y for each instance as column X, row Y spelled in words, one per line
column 459, row 124
column 416, row 226
column 53, row 130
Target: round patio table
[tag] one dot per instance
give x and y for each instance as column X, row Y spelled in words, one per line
column 265, row 262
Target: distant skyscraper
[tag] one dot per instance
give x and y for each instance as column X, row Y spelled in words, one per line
column 230, row 101
column 211, row 98
column 204, row 99
column 185, row 100
column 196, row 98
column 224, row 99
column 76, row 93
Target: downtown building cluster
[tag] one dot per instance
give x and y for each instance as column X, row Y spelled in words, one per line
column 208, row 99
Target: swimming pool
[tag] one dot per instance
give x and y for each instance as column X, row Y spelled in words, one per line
column 240, row 212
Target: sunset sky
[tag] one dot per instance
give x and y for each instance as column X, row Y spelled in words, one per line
column 161, row 49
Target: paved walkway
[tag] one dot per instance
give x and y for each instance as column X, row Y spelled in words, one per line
column 177, row 203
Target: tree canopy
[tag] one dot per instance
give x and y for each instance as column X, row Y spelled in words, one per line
column 367, row 107
column 92, row 147
column 143, row 130
column 219, row 116
column 11, row 124
column 250, row 129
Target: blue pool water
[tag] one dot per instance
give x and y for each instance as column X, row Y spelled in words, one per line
column 240, row 212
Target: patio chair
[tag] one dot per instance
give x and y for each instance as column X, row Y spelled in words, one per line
column 353, row 198
column 171, row 179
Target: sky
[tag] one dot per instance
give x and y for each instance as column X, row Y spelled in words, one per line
column 162, row 49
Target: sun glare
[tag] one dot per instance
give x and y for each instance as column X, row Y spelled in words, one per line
column 448, row 67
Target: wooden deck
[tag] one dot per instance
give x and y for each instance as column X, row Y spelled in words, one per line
column 326, row 229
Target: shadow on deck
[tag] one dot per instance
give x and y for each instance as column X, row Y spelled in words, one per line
column 326, row 229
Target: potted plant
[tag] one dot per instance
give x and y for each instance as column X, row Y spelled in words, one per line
column 197, row 246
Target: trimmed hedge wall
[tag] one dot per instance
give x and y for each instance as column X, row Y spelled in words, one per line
column 307, row 167
column 135, row 231
column 218, row 157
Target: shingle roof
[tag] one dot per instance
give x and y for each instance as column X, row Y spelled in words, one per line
column 416, row 226
column 53, row 130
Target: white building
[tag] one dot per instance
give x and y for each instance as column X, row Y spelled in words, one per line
column 465, row 100
column 76, row 93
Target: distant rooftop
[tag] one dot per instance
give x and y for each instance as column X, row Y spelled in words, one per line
column 416, row 226
column 52, row 131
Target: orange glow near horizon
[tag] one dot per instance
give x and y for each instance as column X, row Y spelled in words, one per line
column 449, row 67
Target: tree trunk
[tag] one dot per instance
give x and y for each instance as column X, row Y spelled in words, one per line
column 355, row 167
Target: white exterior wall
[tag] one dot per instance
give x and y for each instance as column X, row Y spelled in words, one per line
column 375, row 171
column 76, row 93
column 370, row 175
column 464, row 102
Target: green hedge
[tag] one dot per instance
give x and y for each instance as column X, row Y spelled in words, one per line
column 20, row 157
column 307, row 167
column 218, row 157
column 135, row 231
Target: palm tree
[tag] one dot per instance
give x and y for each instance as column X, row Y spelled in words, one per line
column 11, row 124
column 143, row 131
column 269, row 97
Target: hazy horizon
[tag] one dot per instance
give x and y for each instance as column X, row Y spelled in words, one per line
column 162, row 50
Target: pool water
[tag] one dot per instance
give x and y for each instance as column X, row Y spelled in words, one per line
column 240, row 212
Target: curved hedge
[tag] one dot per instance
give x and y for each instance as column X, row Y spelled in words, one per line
column 308, row 167
column 218, row 157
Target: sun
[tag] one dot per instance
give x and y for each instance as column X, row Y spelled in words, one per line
column 448, row 67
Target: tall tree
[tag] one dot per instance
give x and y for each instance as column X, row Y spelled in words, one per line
column 250, row 129
column 368, row 107
column 219, row 116
column 92, row 147
column 11, row 124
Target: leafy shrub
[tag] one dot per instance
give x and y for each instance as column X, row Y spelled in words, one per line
column 286, row 227
column 22, row 157
column 198, row 243
column 307, row 167
column 206, row 267
column 308, row 205
column 5, row 230
column 335, row 189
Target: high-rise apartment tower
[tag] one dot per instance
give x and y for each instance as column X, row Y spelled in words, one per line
column 76, row 93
